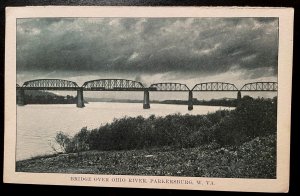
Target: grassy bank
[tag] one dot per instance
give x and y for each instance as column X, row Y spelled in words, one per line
column 253, row 159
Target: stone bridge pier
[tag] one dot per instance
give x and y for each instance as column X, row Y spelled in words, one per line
column 190, row 100
column 239, row 95
column 146, row 102
column 80, row 101
column 21, row 97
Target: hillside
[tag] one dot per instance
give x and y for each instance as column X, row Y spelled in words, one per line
column 45, row 97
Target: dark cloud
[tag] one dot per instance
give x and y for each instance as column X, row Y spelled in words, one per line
column 147, row 45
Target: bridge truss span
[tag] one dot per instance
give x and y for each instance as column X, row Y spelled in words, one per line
column 214, row 86
column 169, row 87
column 50, row 84
column 131, row 85
column 113, row 85
column 260, row 86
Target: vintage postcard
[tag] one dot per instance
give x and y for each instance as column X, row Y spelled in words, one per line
column 149, row 97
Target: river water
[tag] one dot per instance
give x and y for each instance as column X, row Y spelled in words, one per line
column 37, row 125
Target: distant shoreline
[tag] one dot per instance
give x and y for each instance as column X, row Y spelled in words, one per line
column 128, row 102
column 41, row 97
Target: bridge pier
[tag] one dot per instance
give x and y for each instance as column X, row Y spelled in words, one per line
column 190, row 100
column 80, row 101
column 239, row 98
column 20, row 97
column 146, row 102
column 239, row 95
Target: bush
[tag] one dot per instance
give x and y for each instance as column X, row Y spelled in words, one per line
column 81, row 140
column 78, row 143
column 63, row 141
column 252, row 118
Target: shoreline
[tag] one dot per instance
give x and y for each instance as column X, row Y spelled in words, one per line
column 91, row 109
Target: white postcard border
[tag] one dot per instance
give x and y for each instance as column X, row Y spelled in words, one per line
column 281, row 184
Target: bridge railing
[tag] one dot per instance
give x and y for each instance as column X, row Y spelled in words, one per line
column 50, row 84
column 113, row 85
column 260, row 86
column 214, row 86
column 168, row 86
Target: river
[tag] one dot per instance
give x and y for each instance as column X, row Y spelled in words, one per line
column 37, row 125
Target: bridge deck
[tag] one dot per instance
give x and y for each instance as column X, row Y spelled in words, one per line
column 51, row 88
column 113, row 89
column 134, row 89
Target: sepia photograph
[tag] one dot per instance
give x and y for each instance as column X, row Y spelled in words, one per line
column 103, row 97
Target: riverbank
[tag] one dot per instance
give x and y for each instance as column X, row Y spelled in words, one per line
column 253, row 159
column 33, row 136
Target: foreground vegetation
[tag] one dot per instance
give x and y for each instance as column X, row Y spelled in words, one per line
column 253, row 159
column 251, row 119
column 237, row 143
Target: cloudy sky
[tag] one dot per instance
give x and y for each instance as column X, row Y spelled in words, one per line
column 187, row 50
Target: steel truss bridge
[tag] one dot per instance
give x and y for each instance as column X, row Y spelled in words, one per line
column 50, row 84
column 112, row 85
column 131, row 85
